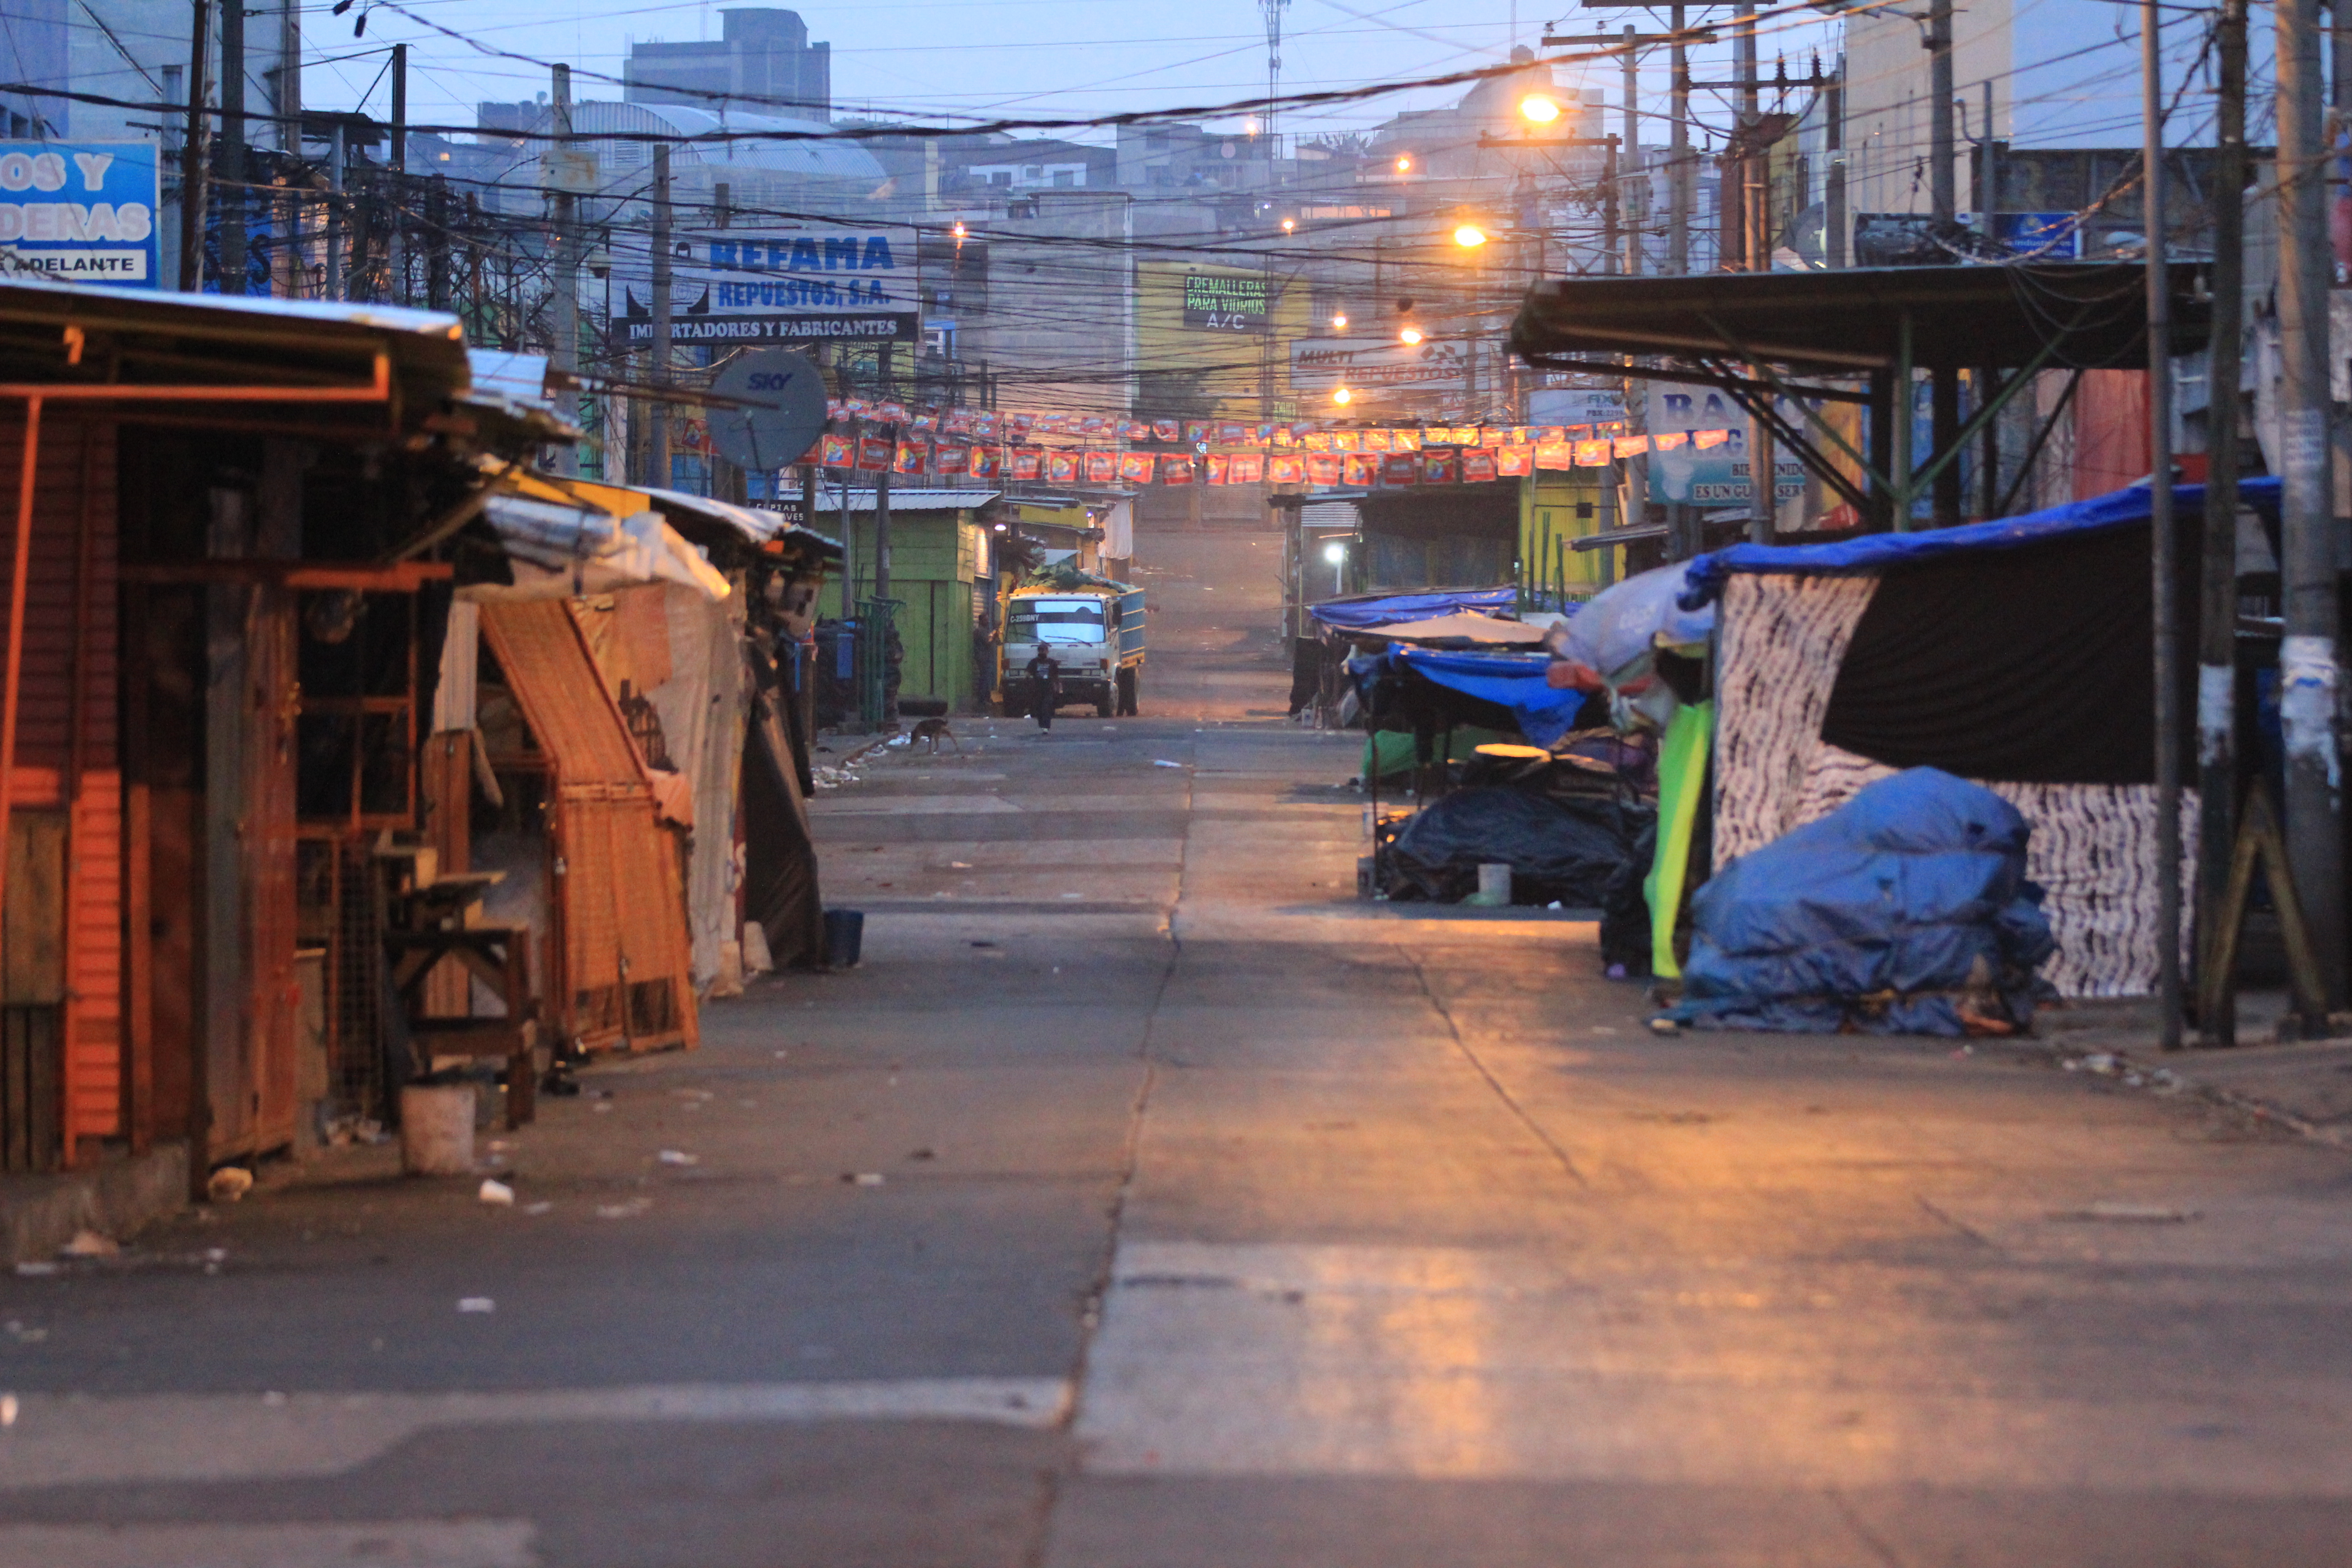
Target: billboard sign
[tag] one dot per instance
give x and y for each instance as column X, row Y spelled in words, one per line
column 1225, row 302
column 824, row 283
column 1323, row 365
column 81, row 212
column 1718, row 475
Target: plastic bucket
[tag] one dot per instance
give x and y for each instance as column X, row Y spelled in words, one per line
column 437, row 1129
column 1494, row 885
column 844, row 938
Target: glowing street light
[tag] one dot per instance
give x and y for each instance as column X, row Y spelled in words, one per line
column 1404, row 163
column 1469, row 237
column 1409, row 336
column 1339, row 319
column 1539, row 109
column 1343, row 396
column 1288, row 225
column 1335, row 553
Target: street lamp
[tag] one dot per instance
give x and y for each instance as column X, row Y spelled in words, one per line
column 1339, row 319
column 1469, row 237
column 1337, row 555
column 1404, row 163
column 1409, row 336
column 1289, row 224
column 1539, row 109
column 1343, row 396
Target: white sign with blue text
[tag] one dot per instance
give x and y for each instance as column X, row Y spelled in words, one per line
column 80, row 212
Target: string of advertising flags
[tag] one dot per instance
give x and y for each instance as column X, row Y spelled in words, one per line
column 986, row 443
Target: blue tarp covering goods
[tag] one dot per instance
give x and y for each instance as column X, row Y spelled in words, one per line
column 1906, row 911
column 1511, row 681
column 1367, row 612
column 1558, row 850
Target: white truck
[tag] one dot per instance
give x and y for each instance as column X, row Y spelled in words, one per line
column 1095, row 628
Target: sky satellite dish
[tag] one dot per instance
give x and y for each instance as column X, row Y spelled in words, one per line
column 779, row 413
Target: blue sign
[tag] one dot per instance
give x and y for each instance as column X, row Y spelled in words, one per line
column 2040, row 234
column 81, row 212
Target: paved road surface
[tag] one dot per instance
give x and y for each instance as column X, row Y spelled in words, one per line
column 1145, row 1202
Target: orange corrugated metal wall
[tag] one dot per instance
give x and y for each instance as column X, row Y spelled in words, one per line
column 620, row 910
column 66, row 757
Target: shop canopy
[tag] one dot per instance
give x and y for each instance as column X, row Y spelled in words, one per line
column 568, row 537
column 1365, row 612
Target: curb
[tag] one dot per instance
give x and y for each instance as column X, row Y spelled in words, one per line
column 40, row 1214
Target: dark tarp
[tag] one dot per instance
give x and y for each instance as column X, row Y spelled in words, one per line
column 2026, row 667
column 1563, row 850
column 1362, row 612
column 780, row 884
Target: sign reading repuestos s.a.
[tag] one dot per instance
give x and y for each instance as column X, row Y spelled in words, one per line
column 80, row 212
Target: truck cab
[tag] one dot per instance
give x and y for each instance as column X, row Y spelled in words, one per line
column 1096, row 636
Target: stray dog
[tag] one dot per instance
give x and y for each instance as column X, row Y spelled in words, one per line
column 933, row 731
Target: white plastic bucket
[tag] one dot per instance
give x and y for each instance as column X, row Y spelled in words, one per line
column 1494, row 884
column 437, row 1129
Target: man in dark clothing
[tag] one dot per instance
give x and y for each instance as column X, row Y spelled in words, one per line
column 1045, row 686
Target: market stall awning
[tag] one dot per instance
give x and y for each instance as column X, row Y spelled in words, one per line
column 561, row 545
column 1513, row 682
column 1361, row 612
column 1856, row 319
column 1465, row 626
column 697, row 514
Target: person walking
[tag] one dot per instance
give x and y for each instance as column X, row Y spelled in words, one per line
column 1045, row 686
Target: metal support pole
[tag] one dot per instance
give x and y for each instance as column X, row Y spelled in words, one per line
column 882, row 493
column 192, row 153
column 2217, row 660
column 2307, row 671
column 1629, row 159
column 397, row 217
column 1941, row 141
column 563, row 350
column 1678, row 177
column 1834, row 221
column 2164, row 586
column 19, row 582
column 657, row 460
column 1898, row 434
column 336, row 158
column 231, row 160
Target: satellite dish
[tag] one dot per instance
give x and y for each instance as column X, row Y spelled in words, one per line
column 778, row 413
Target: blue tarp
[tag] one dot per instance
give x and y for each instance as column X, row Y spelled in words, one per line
column 1362, row 613
column 1512, row 680
column 1704, row 579
column 1906, row 911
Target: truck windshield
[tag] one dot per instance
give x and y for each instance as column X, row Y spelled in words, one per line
column 1054, row 621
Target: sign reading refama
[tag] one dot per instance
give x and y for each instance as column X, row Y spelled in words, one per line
column 825, row 282
column 79, row 212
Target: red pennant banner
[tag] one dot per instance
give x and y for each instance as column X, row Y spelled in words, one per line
column 951, row 458
column 873, row 454
column 1135, row 467
column 1440, row 468
column 914, row 458
column 1167, row 430
column 1399, row 469
column 1376, row 441
column 986, row 462
column 1214, row 467
column 1347, row 440
column 1556, row 455
column 1028, row 463
column 1404, row 440
column 1102, row 467
column 1514, row 462
column 1247, row 467
column 1322, row 468
column 1175, row 470
column 1361, row 470
column 837, row 451
column 1592, row 453
column 1061, row 468
column 1288, row 468
column 1477, row 466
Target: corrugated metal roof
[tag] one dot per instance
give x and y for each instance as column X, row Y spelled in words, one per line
column 828, row 498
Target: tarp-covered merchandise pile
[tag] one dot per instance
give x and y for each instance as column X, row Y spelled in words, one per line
column 1559, row 851
column 1906, row 911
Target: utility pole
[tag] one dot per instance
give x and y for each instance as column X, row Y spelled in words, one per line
column 2308, row 672
column 2164, row 587
column 658, row 426
column 882, row 492
column 398, row 216
column 1629, row 156
column 336, row 158
column 563, row 352
column 1678, row 212
column 1739, row 221
column 2217, row 652
column 1941, row 195
column 1834, row 221
column 231, row 161
column 192, row 153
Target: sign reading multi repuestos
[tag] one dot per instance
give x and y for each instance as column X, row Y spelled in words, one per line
column 823, row 283
column 1225, row 302
column 80, row 212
